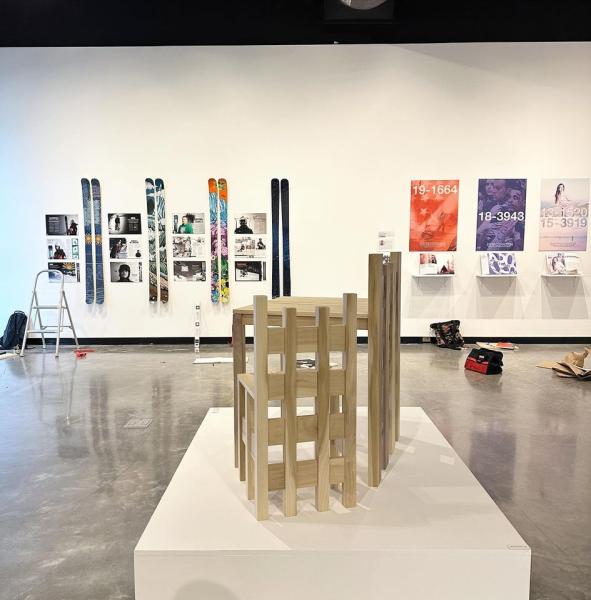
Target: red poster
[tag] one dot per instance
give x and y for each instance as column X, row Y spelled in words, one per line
column 434, row 215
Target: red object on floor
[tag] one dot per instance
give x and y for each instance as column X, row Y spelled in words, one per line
column 82, row 352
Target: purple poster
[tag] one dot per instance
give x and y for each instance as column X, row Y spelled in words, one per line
column 500, row 222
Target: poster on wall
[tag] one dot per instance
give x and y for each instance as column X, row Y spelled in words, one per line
column 188, row 246
column 124, row 247
column 189, row 270
column 188, row 223
column 126, row 272
column 251, row 223
column 564, row 214
column 500, row 222
column 64, row 248
column 433, row 215
column 250, row 270
column 69, row 270
column 248, row 246
column 61, row 224
column 441, row 263
column 120, row 223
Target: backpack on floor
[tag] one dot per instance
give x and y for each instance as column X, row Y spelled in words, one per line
column 15, row 330
column 447, row 334
column 481, row 360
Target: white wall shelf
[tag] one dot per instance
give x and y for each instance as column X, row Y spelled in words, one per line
column 433, row 276
column 497, row 276
column 550, row 275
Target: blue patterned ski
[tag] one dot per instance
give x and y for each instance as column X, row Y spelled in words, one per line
column 285, row 237
column 87, row 211
column 98, row 241
column 275, row 284
column 213, row 235
column 153, row 269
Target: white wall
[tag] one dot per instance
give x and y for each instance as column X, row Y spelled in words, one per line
column 350, row 126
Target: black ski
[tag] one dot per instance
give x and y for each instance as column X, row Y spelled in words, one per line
column 275, row 285
column 285, row 237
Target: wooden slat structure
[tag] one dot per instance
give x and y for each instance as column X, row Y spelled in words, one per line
column 379, row 315
column 332, row 427
column 384, row 361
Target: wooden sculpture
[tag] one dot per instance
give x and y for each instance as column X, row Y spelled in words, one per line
column 332, row 427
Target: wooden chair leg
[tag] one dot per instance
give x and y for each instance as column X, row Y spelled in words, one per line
column 241, row 444
column 249, row 402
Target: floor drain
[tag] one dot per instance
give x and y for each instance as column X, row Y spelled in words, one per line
column 137, row 423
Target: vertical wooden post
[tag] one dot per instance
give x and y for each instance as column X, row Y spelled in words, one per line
column 396, row 261
column 249, row 442
column 386, row 389
column 323, row 409
column 350, row 400
column 374, row 338
column 239, row 366
column 290, row 412
column 241, row 426
column 261, row 408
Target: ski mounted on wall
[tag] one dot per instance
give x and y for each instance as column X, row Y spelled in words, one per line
column 161, row 213
column 285, row 237
column 153, row 267
column 275, row 283
column 223, row 212
column 98, row 240
column 213, row 229
column 87, row 211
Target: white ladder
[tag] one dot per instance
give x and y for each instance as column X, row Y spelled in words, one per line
column 60, row 307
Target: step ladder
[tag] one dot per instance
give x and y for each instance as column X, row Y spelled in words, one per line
column 35, row 316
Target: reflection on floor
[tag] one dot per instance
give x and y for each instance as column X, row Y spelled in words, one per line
column 77, row 488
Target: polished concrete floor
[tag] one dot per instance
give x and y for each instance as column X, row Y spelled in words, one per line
column 77, row 488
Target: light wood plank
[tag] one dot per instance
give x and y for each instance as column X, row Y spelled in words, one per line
column 261, row 408
column 290, row 417
column 374, row 373
column 385, row 368
column 306, row 382
column 238, row 366
column 396, row 260
column 307, row 428
column 323, row 409
column 350, row 403
column 307, row 472
column 249, row 429
column 241, row 422
column 276, row 337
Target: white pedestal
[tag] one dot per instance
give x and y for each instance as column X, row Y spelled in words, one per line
column 430, row 531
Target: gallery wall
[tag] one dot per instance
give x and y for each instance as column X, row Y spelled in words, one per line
column 349, row 126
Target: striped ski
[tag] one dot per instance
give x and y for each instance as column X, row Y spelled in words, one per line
column 161, row 211
column 285, row 237
column 213, row 224
column 223, row 206
column 153, row 269
column 275, row 284
column 87, row 211
column 98, row 241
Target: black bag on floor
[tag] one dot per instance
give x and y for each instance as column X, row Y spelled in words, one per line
column 447, row 334
column 15, row 330
column 481, row 360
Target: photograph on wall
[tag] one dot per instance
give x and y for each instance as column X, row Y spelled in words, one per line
column 251, row 223
column 120, row 223
column 188, row 246
column 65, row 248
column 500, row 222
column 188, row 223
column 248, row 246
column 189, row 270
column 564, row 214
column 69, row 270
column 562, row 263
column 434, row 215
column 126, row 272
column 61, row 224
column 250, row 270
column 124, row 247
column 385, row 241
column 441, row 263
column 498, row 263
